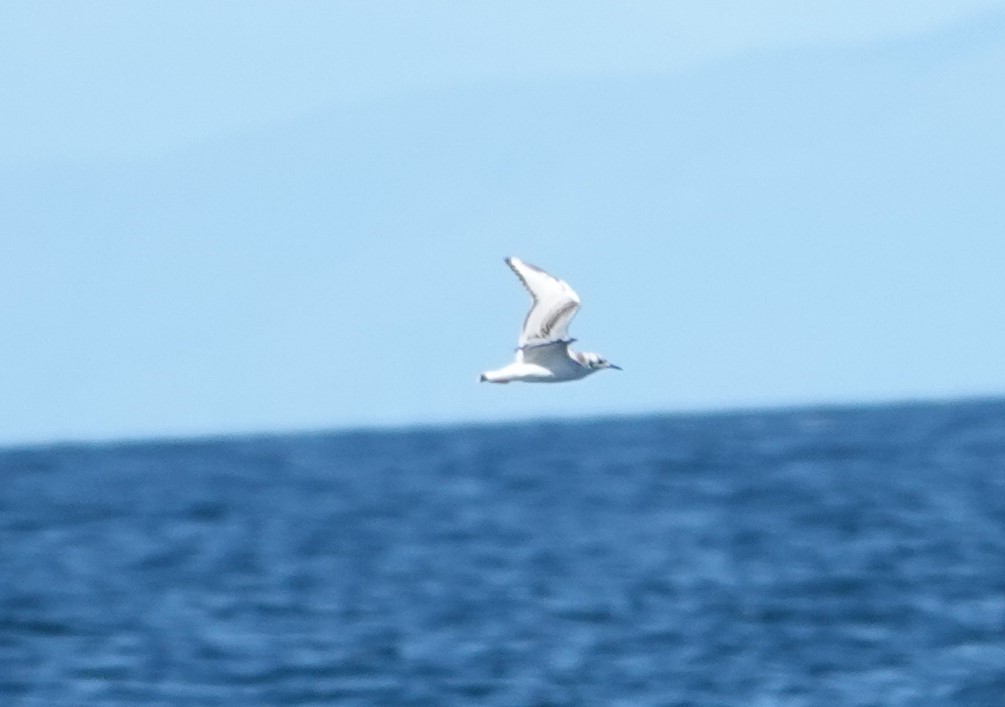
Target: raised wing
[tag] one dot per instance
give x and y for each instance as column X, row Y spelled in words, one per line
column 555, row 304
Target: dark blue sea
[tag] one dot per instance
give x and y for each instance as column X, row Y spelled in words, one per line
column 806, row 557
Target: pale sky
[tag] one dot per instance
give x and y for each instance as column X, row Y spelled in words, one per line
column 248, row 217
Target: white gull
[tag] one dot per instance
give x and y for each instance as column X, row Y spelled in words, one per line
column 543, row 354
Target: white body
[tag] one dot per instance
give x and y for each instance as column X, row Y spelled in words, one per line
column 544, row 355
column 548, row 363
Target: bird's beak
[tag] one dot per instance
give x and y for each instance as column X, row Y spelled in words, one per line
column 616, row 368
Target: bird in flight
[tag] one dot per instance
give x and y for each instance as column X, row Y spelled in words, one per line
column 543, row 354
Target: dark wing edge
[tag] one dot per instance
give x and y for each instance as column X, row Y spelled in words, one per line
column 509, row 262
column 556, row 316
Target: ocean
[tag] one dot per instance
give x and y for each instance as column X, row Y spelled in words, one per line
column 830, row 556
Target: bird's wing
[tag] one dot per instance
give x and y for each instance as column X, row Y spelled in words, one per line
column 554, row 356
column 555, row 304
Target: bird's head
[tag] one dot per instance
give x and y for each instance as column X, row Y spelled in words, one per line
column 595, row 362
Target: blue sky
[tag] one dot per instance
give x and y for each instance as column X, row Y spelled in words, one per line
column 236, row 217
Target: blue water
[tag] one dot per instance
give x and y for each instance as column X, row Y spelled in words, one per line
column 812, row 557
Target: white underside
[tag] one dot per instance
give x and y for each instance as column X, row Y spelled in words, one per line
column 553, row 365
